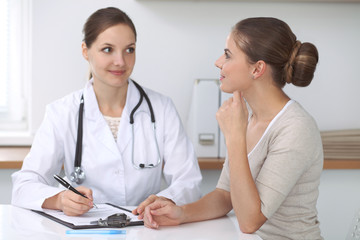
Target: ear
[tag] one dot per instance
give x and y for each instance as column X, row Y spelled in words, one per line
column 84, row 51
column 259, row 69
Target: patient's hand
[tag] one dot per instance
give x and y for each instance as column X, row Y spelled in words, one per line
column 163, row 213
column 141, row 208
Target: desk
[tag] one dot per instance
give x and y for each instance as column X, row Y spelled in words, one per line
column 18, row 224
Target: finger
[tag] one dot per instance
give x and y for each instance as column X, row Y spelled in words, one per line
column 146, row 202
column 243, row 102
column 227, row 103
column 141, row 216
column 86, row 191
column 74, row 203
column 236, row 96
column 149, row 219
column 161, row 211
column 81, row 200
column 74, row 210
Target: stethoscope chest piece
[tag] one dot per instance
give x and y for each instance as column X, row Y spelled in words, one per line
column 77, row 176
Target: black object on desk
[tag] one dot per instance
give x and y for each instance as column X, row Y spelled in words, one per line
column 68, row 186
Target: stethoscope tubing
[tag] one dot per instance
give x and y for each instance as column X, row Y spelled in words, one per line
column 78, row 174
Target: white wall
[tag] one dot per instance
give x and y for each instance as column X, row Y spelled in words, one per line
column 175, row 48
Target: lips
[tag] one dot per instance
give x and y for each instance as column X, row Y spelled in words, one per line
column 221, row 77
column 117, row 72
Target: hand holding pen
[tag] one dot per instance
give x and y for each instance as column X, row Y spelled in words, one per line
column 74, row 204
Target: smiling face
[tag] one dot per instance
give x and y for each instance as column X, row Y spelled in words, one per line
column 112, row 56
column 235, row 70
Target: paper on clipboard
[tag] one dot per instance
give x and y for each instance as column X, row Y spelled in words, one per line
column 94, row 214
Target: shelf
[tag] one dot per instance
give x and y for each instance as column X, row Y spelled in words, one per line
column 12, row 157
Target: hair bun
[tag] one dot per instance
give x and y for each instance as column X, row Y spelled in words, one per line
column 302, row 64
column 289, row 67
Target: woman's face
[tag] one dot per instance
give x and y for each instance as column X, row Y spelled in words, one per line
column 112, row 56
column 235, row 70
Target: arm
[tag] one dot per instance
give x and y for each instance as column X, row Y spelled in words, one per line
column 34, row 182
column 34, row 186
column 232, row 117
column 244, row 194
column 213, row 205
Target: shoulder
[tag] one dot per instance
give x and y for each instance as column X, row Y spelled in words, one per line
column 67, row 104
column 296, row 118
column 296, row 129
column 159, row 99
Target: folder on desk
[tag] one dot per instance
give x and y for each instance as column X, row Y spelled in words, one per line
column 83, row 222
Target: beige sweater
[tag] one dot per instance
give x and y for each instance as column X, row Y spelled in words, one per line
column 286, row 165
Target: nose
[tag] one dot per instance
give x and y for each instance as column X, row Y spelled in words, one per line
column 219, row 62
column 119, row 59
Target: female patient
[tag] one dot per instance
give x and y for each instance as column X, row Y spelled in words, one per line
column 274, row 152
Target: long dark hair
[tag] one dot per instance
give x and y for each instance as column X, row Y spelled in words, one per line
column 101, row 20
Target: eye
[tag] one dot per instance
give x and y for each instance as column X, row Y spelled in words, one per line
column 107, row 50
column 227, row 55
column 130, row 50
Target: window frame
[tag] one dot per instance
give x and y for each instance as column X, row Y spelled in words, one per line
column 15, row 120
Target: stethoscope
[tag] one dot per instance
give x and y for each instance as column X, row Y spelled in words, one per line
column 78, row 175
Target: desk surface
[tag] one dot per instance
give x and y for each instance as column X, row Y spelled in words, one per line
column 17, row 223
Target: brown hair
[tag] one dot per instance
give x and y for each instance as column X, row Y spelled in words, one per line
column 101, row 20
column 271, row 40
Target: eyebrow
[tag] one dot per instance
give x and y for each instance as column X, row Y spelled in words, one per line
column 226, row 50
column 109, row 44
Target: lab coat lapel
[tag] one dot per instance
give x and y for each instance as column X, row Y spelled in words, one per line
column 97, row 124
column 125, row 131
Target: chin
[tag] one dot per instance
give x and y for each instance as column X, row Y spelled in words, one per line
column 225, row 89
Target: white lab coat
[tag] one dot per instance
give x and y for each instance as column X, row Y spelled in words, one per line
column 107, row 164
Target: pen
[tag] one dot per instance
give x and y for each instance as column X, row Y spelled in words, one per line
column 68, row 186
column 95, row 231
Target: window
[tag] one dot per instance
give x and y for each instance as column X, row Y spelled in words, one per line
column 14, row 64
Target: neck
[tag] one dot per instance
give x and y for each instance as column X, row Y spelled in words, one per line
column 111, row 100
column 266, row 102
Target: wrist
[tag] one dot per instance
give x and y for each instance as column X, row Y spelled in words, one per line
column 184, row 218
column 166, row 199
column 235, row 140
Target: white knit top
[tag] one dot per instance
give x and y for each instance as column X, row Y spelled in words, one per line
column 113, row 123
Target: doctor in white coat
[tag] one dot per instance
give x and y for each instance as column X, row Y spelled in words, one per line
column 122, row 166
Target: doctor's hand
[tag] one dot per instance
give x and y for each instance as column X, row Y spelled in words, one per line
column 163, row 213
column 71, row 203
column 232, row 116
column 141, row 208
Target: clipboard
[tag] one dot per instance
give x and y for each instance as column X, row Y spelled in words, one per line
column 83, row 221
